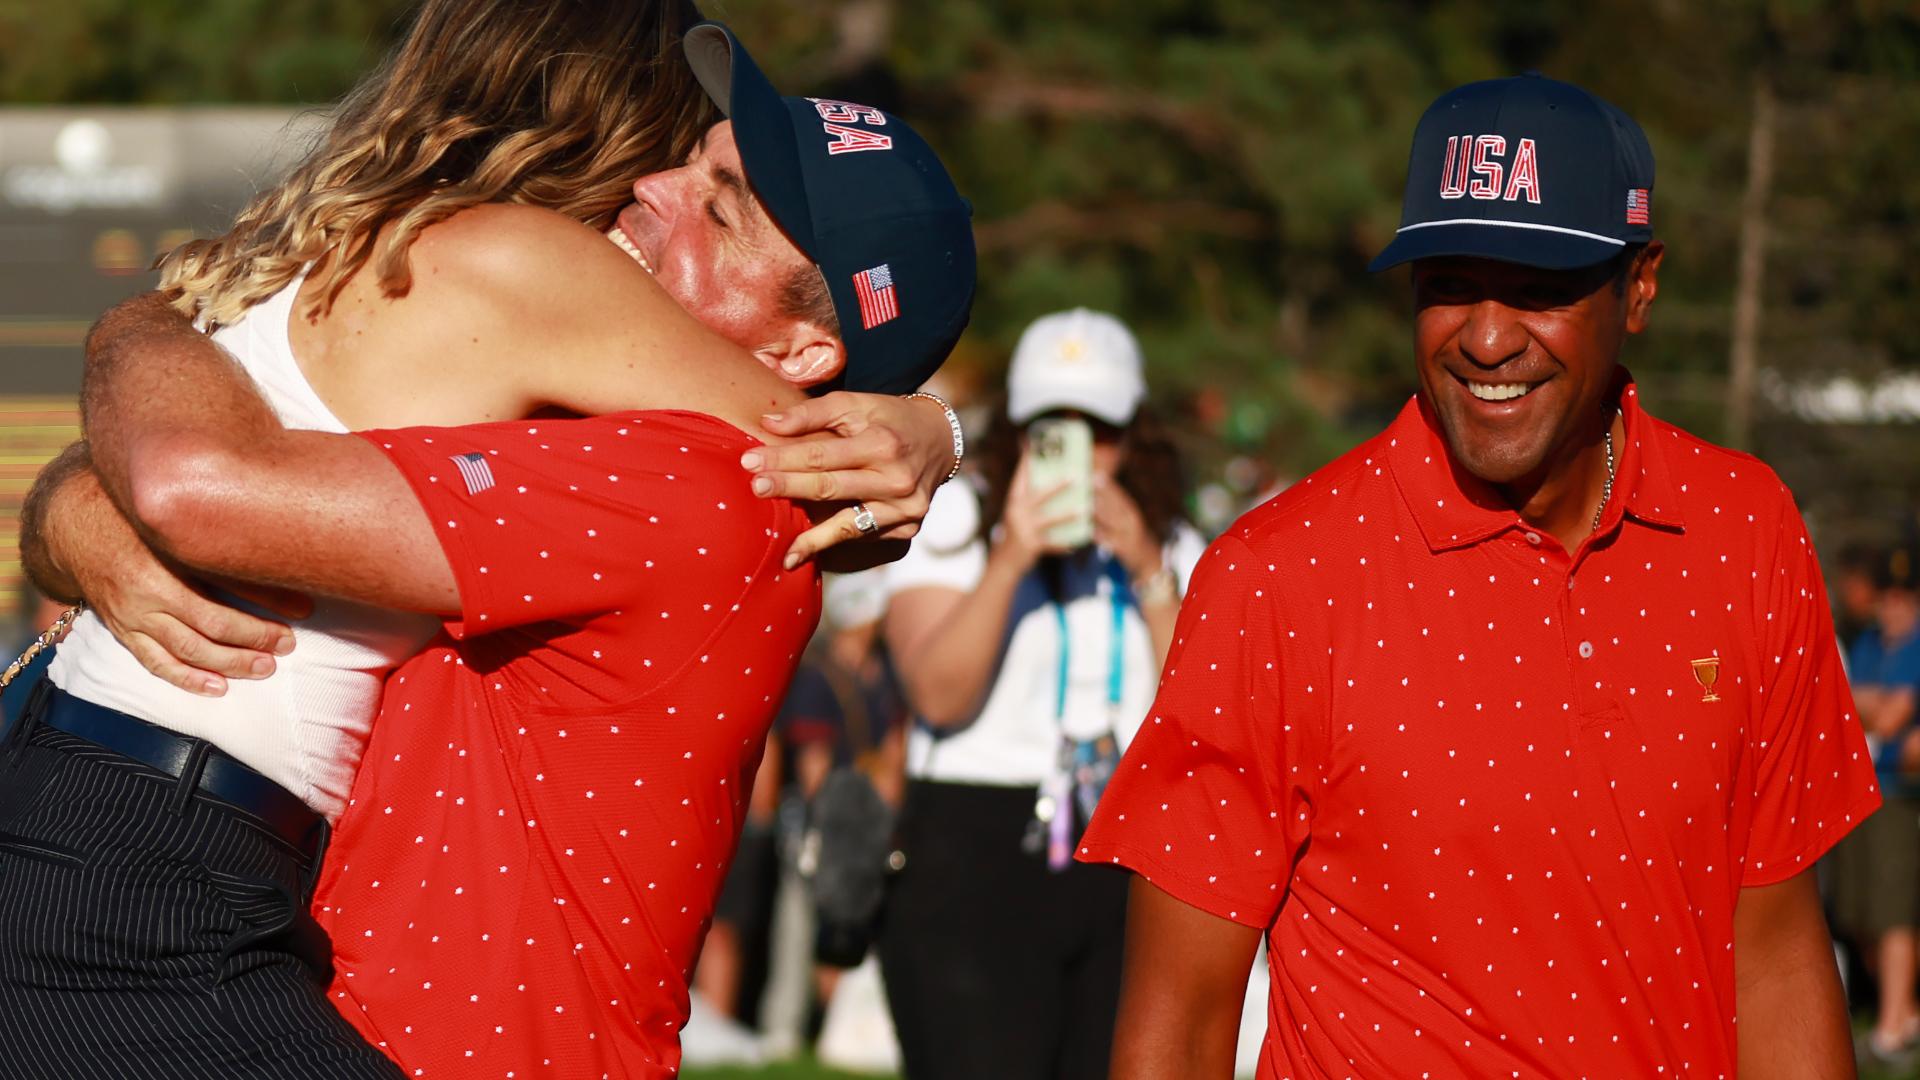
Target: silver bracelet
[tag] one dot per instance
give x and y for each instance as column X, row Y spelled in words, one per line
column 953, row 425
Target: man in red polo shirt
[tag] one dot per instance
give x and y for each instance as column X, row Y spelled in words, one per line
column 547, row 804
column 1518, row 729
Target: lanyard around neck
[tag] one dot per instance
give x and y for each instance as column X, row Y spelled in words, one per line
column 1116, row 646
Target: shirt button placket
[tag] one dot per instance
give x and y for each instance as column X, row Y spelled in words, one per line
column 1575, row 646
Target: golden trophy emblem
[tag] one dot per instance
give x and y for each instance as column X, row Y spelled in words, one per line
column 1707, row 672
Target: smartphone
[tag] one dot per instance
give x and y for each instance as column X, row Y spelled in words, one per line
column 1060, row 450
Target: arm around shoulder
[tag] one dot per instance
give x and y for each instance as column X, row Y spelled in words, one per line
column 312, row 511
column 524, row 282
column 184, row 444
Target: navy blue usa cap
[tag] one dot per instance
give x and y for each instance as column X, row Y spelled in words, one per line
column 1525, row 170
column 863, row 196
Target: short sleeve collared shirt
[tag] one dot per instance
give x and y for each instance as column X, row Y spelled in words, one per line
column 1495, row 801
column 552, row 792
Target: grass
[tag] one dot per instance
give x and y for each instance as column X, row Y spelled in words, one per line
column 791, row 1070
column 808, row 1069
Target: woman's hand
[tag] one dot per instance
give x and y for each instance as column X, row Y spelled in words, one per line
column 891, row 454
column 1026, row 521
column 1119, row 527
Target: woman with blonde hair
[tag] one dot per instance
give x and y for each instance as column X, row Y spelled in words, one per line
column 438, row 258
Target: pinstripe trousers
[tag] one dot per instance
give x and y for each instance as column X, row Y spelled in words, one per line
column 148, row 932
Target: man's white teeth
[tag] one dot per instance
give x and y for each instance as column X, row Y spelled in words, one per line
column 619, row 237
column 1498, row 391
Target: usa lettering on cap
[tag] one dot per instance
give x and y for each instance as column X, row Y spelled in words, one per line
column 1474, row 168
column 1526, row 170
column 836, row 115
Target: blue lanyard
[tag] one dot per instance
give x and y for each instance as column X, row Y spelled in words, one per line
column 1116, row 647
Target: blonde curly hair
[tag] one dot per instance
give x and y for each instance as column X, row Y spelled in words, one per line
column 554, row 103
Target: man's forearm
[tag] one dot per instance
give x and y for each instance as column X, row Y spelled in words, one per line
column 186, row 447
column 1888, row 713
column 152, row 377
column 65, row 506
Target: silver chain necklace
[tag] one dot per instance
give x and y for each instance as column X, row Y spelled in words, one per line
column 1606, row 491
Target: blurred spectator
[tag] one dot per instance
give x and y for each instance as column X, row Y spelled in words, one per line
column 1029, row 663
column 730, row 961
column 842, row 710
column 1876, row 869
column 1856, row 591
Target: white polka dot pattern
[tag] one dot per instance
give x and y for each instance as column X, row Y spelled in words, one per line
column 1470, row 782
column 550, row 799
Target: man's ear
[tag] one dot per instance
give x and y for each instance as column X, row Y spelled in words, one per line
column 1643, row 284
column 808, row 357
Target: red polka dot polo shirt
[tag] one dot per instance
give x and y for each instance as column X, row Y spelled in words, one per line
column 1494, row 801
column 552, row 793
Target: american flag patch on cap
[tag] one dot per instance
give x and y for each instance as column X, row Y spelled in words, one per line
column 474, row 470
column 1639, row 204
column 875, row 290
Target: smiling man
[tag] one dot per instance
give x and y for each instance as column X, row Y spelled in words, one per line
column 701, row 231
column 1518, row 730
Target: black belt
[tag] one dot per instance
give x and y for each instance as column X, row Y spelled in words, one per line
column 222, row 777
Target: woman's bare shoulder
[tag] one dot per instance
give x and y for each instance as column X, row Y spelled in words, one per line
column 523, row 256
column 519, row 281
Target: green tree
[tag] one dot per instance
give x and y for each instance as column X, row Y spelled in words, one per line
column 1220, row 171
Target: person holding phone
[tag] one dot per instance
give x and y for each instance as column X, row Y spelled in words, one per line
column 1029, row 623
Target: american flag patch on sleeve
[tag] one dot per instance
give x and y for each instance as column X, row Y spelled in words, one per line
column 475, row 471
column 874, row 287
column 1639, row 205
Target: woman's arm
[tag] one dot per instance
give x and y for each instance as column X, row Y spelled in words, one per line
column 543, row 312
column 945, row 642
column 1120, row 528
column 546, row 313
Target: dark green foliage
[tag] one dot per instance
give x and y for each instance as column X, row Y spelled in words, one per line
column 1219, row 172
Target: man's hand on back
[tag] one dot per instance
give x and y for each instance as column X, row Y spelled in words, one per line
column 76, row 545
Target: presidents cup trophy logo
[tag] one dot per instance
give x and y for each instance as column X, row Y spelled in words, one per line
column 1707, row 672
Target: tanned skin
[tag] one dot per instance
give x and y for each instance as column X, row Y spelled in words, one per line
column 1545, row 456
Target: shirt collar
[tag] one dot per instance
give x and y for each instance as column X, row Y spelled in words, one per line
column 1455, row 509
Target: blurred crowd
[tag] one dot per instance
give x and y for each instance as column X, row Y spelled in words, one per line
column 904, row 886
column 1873, row 876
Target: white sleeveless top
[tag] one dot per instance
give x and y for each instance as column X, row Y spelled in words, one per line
column 306, row 726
